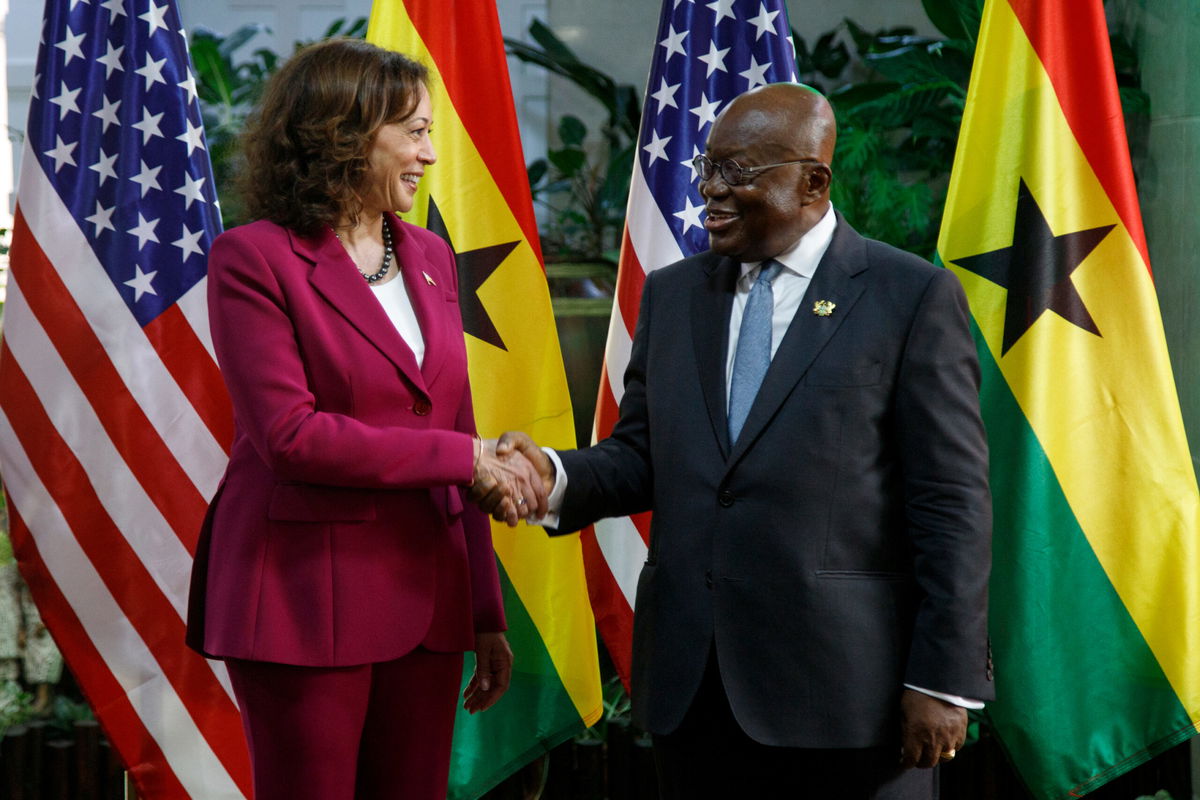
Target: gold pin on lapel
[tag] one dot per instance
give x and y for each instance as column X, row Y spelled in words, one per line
column 428, row 279
column 824, row 308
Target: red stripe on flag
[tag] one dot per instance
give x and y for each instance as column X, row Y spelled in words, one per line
column 195, row 370
column 614, row 615
column 607, row 414
column 119, row 566
column 613, row 612
column 142, row 449
column 607, row 411
column 1070, row 40
column 121, row 723
column 478, row 86
column 630, row 278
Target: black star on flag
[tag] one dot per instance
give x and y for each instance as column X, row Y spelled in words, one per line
column 474, row 268
column 1036, row 269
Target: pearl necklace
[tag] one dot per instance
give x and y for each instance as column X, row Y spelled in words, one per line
column 387, row 254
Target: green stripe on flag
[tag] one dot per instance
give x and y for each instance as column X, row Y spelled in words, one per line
column 1079, row 626
column 530, row 719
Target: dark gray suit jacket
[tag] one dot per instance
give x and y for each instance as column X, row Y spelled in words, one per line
column 841, row 547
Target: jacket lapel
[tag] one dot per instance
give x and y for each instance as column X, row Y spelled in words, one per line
column 834, row 280
column 712, row 302
column 335, row 278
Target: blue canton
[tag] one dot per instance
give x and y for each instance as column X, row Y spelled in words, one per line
column 116, row 126
column 707, row 54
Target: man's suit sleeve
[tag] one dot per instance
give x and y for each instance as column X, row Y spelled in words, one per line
column 943, row 451
column 614, row 477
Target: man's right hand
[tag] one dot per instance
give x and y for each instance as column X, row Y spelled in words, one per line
column 506, row 485
column 516, row 441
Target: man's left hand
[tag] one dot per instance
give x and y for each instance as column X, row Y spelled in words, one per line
column 931, row 730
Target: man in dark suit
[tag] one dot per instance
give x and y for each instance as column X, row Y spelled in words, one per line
column 811, row 618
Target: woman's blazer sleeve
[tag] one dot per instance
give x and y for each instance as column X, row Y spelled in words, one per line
column 254, row 335
column 487, row 603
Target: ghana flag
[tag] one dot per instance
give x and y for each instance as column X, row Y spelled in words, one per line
column 477, row 197
column 1095, row 593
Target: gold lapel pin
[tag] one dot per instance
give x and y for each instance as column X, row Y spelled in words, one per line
column 428, row 279
column 824, row 308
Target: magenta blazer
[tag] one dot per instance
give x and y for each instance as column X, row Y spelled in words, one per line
column 339, row 534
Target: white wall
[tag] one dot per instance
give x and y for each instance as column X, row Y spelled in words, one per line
column 288, row 21
column 6, row 168
column 22, row 28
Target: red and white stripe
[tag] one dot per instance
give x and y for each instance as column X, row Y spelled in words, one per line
column 112, row 440
column 615, row 551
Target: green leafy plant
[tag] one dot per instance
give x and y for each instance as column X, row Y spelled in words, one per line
column 585, row 194
column 827, row 58
column 616, row 711
column 897, row 132
column 552, row 54
column 16, row 705
column 227, row 89
column 64, row 712
column 583, row 184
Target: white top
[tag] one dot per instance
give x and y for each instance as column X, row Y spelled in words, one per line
column 393, row 296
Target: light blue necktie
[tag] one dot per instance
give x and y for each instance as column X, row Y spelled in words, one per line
column 753, row 354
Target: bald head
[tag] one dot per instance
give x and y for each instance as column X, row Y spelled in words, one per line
column 781, row 136
column 790, row 116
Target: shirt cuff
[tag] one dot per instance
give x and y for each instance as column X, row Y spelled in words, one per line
column 953, row 699
column 555, row 499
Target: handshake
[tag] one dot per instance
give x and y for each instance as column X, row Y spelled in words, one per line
column 512, row 478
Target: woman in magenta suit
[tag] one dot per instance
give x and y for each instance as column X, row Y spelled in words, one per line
column 340, row 574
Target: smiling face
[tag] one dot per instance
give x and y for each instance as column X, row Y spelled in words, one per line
column 771, row 210
column 397, row 158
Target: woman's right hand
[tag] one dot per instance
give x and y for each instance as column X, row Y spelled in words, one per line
column 507, row 486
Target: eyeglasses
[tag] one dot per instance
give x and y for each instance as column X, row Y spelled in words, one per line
column 733, row 173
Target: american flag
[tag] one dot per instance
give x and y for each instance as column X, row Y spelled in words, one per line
column 114, row 426
column 706, row 53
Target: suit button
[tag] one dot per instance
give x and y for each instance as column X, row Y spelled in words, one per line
column 725, row 498
column 708, row 579
column 422, row 407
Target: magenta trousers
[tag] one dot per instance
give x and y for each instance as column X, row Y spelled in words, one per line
column 365, row 732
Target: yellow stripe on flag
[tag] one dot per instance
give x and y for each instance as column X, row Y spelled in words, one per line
column 522, row 387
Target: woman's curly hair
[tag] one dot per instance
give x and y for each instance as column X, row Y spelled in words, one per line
column 305, row 146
